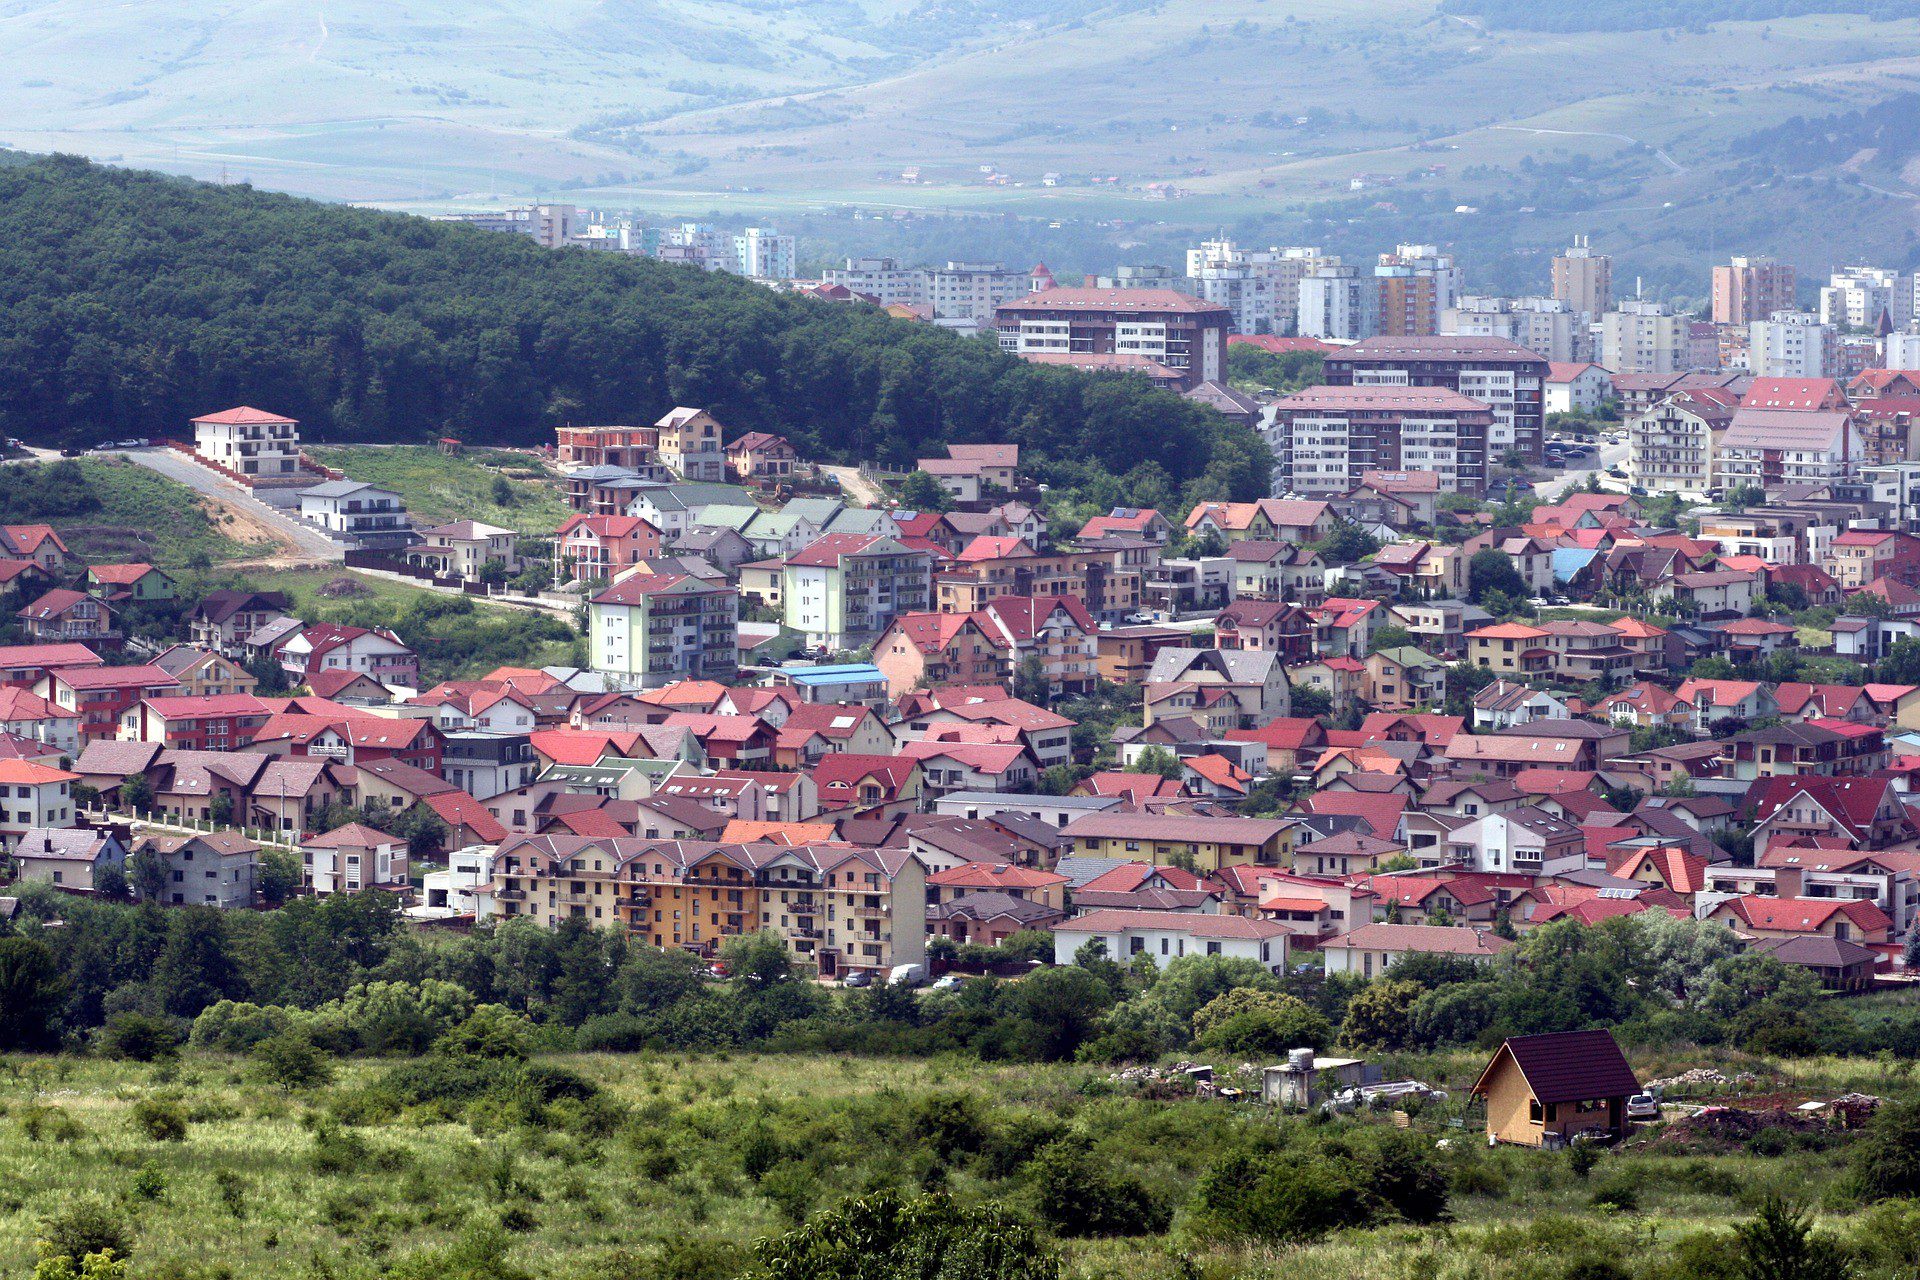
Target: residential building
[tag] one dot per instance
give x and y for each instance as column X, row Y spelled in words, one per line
column 844, row 589
column 1774, row 447
column 969, row 295
column 1673, row 446
column 1168, row 935
column 1369, row 950
column 464, row 548
column 352, row 858
column 1507, row 378
column 1166, row 839
column 763, row 254
column 225, row 620
column 1067, row 326
column 655, row 629
column 123, row 583
column 100, row 696
column 72, row 861
column 689, row 445
column 1331, row 436
column 210, row 869
column 1545, row 326
column 1644, row 337
column 362, row 515
column 588, row 548
column 33, row 796
column 1792, row 344
column 1416, row 282
column 1750, row 289
column 761, row 456
column 215, row 722
column 1545, row 1090
column 333, row 646
column 61, row 616
column 249, row 442
column 1583, row 279
column 1857, row 297
column 1338, row 302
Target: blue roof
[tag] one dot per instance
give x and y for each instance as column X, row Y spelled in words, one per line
column 1567, row 561
column 844, row 673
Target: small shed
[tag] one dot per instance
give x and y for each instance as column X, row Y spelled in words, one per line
column 1545, row 1090
column 1306, row 1078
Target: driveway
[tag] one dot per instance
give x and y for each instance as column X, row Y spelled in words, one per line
column 300, row 542
column 856, row 486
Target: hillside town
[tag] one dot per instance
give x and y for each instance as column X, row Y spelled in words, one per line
column 1449, row 684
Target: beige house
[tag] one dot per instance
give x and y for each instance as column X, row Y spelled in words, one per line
column 354, row 857
column 1544, row 1090
column 66, row 859
column 462, row 549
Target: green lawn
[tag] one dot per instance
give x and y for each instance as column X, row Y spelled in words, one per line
column 440, row 489
column 147, row 517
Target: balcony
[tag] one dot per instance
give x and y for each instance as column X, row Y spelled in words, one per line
column 511, row 895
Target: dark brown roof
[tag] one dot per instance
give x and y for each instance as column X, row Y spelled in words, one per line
column 1568, row 1066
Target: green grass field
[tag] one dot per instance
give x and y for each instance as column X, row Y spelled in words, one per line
column 701, row 1156
column 147, row 517
column 441, row 488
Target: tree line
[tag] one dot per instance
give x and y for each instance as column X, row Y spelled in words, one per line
column 131, row 302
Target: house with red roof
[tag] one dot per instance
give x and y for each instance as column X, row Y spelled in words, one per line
column 814, row 729
column 37, row 543
column 62, row 616
column 1864, row 810
column 207, row 722
column 1165, row 936
column 844, row 588
column 731, row 742
column 26, row 715
column 1845, row 919
column 1292, row 742
column 119, row 583
column 102, row 695
column 1747, row 639
column 334, row 646
column 1714, row 701
column 1576, row 387
column 1369, row 950
column 589, row 547
column 250, row 444
column 1857, row 557
column 1143, row 523
column 350, row 737
column 352, row 858
column 868, row 786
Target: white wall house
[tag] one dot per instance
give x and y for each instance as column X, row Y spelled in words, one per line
column 1168, row 935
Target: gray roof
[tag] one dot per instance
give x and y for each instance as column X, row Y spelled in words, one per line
column 65, row 846
column 1239, row 666
column 1079, row 871
column 341, row 489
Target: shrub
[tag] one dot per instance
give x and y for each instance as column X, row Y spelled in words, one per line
column 138, row 1037
column 1077, row 1195
column 884, row 1237
column 1282, row 1201
column 233, row 1026
column 161, row 1119
column 1618, row 1195
column 85, row 1227
column 291, row 1060
column 1249, row 1022
column 1886, row 1162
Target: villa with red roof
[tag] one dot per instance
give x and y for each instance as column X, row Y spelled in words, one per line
column 250, row 443
column 1845, row 919
column 587, row 547
column 335, row 646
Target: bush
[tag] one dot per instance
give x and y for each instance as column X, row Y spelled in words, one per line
column 161, row 1119
column 85, row 1227
column 1280, row 1201
column 1886, row 1163
column 139, row 1037
column 884, row 1237
column 291, row 1060
column 1077, row 1195
column 1246, row 1022
column 236, row 1027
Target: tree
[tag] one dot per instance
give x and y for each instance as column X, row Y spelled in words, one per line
column 31, row 991
column 1779, row 1244
column 136, row 793
column 1491, row 571
column 291, row 1060
column 1381, row 1016
column 1156, row 759
column 921, row 492
column 1348, row 543
column 1250, row 1023
column 1078, row 1197
column 88, row 1227
column 111, row 885
column 148, row 876
column 1306, row 700
column 1391, row 636
column 759, row 959
column 1886, row 1162
column 886, row 1237
column 196, row 967
column 1030, row 681
column 220, row 807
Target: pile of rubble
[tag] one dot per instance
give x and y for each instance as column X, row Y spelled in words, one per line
column 1182, row 1079
column 1702, row 1077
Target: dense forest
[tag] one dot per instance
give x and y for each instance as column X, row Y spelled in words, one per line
column 1648, row 15
column 130, row 302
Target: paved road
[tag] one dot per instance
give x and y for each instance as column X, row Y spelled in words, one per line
column 301, row 539
column 1611, row 455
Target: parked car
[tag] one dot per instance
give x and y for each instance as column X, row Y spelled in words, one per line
column 859, row 978
column 948, row 982
column 1643, row 1106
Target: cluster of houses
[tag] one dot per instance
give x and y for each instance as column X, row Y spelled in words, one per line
column 1294, row 783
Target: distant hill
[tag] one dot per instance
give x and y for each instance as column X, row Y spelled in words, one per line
column 1649, row 15
column 131, row 302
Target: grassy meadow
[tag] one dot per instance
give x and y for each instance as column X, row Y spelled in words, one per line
column 440, row 488
column 146, row 517
column 220, row 1174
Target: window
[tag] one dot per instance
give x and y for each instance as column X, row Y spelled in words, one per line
column 1533, row 1110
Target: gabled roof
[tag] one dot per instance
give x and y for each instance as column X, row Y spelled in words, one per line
column 1566, row 1066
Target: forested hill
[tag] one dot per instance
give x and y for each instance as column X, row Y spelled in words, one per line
column 131, row 302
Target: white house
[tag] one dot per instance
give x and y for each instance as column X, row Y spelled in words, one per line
column 464, row 888
column 354, row 857
column 1374, row 948
column 249, row 441
column 1579, row 387
column 1503, row 704
column 1527, row 841
column 1168, row 935
column 357, row 512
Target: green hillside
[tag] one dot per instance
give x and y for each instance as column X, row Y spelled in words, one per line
column 129, row 303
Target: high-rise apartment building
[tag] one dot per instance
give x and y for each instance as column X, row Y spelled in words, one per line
column 1750, row 289
column 1507, row 378
column 1547, row 326
column 764, row 254
column 1417, row 282
column 973, row 290
column 882, row 279
column 1792, row 344
column 1583, row 279
column 1856, row 298
column 1120, row 328
column 1644, row 337
column 1339, row 303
